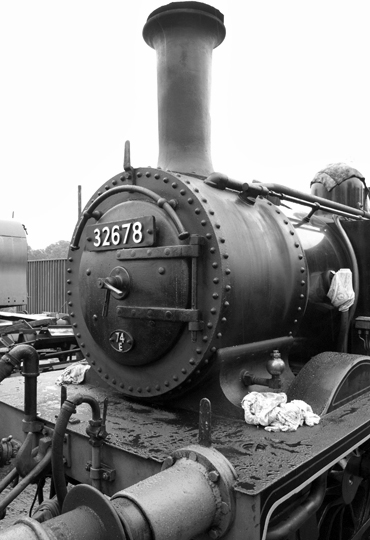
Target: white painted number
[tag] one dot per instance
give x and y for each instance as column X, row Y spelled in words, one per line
column 107, row 236
column 138, row 235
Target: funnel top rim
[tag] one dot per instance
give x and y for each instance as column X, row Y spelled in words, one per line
column 181, row 6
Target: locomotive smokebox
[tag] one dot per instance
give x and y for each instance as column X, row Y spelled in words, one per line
column 184, row 35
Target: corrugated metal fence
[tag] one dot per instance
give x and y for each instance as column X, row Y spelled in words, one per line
column 46, row 283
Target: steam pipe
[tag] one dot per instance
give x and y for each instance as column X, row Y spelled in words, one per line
column 66, row 411
column 184, row 35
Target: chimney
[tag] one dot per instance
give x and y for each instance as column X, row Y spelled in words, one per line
column 184, row 35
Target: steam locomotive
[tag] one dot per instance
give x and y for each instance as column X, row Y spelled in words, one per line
column 187, row 291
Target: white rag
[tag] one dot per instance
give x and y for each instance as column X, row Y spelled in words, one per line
column 341, row 292
column 73, row 374
column 274, row 413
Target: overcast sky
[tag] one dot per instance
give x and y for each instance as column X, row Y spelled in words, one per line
column 291, row 93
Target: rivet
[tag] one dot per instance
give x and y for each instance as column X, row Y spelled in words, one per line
column 70, row 259
column 215, row 295
column 139, row 389
column 222, row 240
column 208, row 236
column 183, row 192
column 139, row 174
column 184, row 371
column 228, row 287
column 190, row 200
column 225, row 255
column 157, row 176
column 213, row 310
column 303, row 270
column 69, row 293
column 209, row 325
column 121, row 385
column 216, row 280
column 78, row 335
column 148, row 174
column 165, row 180
column 148, row 389
column 218, row 226
column 174, row 185
column 197, row 211
column 303, row 283
column 157, row 387
column 223, row 319
column 196, row 190
column 296, row 244
column 166, row 383
column 198, row 350
column 106, row 376
column 226, row 304
column 205, row 339
column 88, row 272
column 114, row 182
column 203, row 222
column 192, row 361
column 130, row 388
column 219, row 335
column 227, row 271
column 175, row 378
column 292, row 233
column 215, row 265
column 161, row 270
column 69, row 281
column 99, row 369
column 70, row 304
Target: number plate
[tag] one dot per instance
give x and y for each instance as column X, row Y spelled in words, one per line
column 127, row 233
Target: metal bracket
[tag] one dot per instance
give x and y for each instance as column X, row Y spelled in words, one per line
column 103, row 473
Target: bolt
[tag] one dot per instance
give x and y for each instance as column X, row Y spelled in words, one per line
column 88, row 466
column 105, row 476
column 225, row 508
column 214, row 533
column 193, row 456
column 213, row 476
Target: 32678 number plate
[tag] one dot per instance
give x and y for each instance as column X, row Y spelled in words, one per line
column 138, row 232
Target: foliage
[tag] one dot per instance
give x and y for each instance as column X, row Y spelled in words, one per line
column 59, row 250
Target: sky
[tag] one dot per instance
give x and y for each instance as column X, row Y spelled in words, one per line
column 290, row 94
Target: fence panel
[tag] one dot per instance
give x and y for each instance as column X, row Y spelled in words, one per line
column 46, row 283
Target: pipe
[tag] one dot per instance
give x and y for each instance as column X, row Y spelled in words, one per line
column 11, row 360
column 266, row 189
column 300, row 514
column 31, row 476
column 184, row 35
column 68, row 408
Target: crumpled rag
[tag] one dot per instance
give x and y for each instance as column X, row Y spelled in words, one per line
column 341, row 291
column 73, row 374
column 274, row 413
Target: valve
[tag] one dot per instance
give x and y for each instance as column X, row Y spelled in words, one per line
column 275, row 366
column 117, row 283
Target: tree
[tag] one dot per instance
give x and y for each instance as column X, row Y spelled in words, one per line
column 59, row 250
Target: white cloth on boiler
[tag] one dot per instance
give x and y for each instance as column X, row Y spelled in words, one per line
column 274, row 413
column 341, row 291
